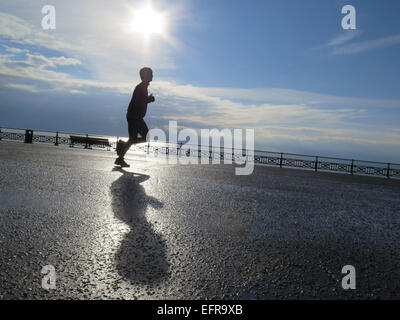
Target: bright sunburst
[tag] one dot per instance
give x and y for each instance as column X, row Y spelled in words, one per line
column 148, row 22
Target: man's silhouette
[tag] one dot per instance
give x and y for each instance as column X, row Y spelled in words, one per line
column 136, row 111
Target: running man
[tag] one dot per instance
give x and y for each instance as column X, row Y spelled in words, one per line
column 136, row 111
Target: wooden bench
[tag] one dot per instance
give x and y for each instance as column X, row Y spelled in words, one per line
column 89, row 141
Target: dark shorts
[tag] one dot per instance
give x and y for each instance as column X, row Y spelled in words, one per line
column 135, row 127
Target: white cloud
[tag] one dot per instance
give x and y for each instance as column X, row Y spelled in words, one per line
column 24, row 87
column 44, row 62
column 303, row 133
column 281, row 95
column 340, row 44
column 198, row 104
column 15, row 50
column 368, row 45
column 343, row 38
column 14, row 27
column 20, row 31
column 99, row 36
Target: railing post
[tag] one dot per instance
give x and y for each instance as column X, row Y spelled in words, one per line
column 1, row 134
column 281, row 160
column 28, row 136
column 148, row 147
column 352, row 167
column 388, row 171
column 87, row 139
column 56, row 143
column 316, row 163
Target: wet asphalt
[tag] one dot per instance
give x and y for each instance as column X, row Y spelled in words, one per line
column 159, row 231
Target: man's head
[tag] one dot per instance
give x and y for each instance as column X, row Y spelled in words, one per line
column 146, row 74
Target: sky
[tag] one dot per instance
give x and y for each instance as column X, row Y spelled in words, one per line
column 286, row 69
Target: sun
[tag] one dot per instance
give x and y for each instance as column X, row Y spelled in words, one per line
column 147, row 21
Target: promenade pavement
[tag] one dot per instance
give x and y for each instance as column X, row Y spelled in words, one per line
column 159, row 231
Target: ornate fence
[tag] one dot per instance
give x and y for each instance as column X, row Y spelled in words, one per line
column 260, row 157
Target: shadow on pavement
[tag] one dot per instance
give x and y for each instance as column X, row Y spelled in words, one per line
column 141, row 257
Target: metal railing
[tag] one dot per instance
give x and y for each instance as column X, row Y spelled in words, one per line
column 260, row 157
column 51, row 137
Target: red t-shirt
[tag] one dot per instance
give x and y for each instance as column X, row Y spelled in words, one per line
column 138, row 106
